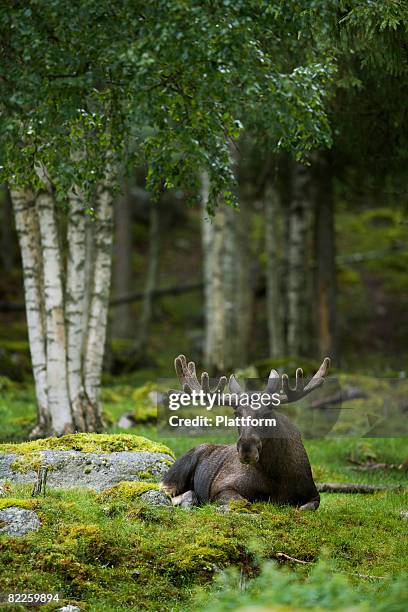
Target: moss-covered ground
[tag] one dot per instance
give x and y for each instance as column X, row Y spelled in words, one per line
column 111, row 551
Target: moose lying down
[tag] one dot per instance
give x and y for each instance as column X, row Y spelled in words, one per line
column 261, row 466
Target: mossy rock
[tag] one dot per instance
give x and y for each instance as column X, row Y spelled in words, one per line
column 27, row 504
column 89, row 443
column 128, row 490
column 96, row 461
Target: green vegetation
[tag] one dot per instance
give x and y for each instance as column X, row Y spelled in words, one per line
column 110, row 551
column 88, row 443
column 7, row 502
column 277, row 590
column 128, row 490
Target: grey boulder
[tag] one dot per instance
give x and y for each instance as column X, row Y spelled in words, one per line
column 155, row 498
column 18, row 521
column 67, row 469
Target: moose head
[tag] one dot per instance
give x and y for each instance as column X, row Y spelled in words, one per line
column 252, row 437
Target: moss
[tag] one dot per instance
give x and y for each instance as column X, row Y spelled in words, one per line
column 89, row 443
column 142, row 392
column 146, row 475
column 240, row 506
column 28, row 504
column 128, row 490
column 206, row 554
column 26, row 463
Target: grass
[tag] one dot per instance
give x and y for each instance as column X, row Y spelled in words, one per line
column 112, row 552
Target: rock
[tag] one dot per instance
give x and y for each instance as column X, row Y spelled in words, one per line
column 18, row 521
column 156, row 397
column 126, row 420
column 156, row 498
column 93, row 470
column 68, row 608
column 186, row 500
column 404, row 514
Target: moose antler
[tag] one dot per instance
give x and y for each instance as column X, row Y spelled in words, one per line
column 186, row 372
column 300, row 389
column 187, row 376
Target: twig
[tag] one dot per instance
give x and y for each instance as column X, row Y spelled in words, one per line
column 286, row 557
column 41, row 483
column 352, row 487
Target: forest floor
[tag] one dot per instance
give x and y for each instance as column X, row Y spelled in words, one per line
column 116, row 553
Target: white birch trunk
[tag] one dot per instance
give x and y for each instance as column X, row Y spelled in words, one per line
column 28, row 235
column 98, row 308
column 228, row 287
column 274, row 298
column 213, row 255
column 75, row 296
column 57, row 383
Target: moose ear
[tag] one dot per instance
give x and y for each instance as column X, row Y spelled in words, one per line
column 234, row 386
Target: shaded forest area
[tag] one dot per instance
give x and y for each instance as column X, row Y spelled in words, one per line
column 208, row 182
column 348, row 300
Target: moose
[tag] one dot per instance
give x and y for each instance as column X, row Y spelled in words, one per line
column 263, row 465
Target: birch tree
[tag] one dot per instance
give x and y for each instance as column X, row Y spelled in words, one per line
column 66, row 337
column 108, row 78
column 298, row 253
column 227, row 285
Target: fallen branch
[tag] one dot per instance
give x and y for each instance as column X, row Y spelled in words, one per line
column 284, row 557
column 352, row 487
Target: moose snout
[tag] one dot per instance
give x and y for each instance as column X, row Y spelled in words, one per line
column 249, row 450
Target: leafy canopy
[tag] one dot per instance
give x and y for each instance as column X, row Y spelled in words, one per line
column 168, row 83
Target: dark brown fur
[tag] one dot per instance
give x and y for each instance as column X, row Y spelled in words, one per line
column 264, row 465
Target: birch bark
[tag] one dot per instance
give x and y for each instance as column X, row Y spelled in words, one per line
column 28, row 233
column 75, row 296
column 57, row 383
column 99, row 302
column 213, row 254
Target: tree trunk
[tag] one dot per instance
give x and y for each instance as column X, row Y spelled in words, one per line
column 28, row 231
column 297, row 260
column 274, row 295
column 151, row 281
column 76, row 292
column 7, row 237
column 99, row 303
column 213, row 254
column 227, row 286
column 57, row 383
column 325, row 276
column 122, row 273
column 66, row 328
